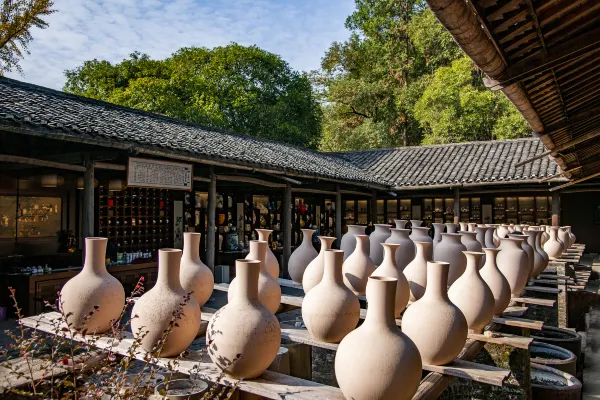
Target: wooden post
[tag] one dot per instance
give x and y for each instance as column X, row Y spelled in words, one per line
column 456, row 206
column 373, row 207
column 88, row 197
column 555, row 209
column 212, row 211
column 287, row 229
column 338, row 216
column 300, row 360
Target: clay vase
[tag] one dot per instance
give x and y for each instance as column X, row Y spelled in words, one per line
column 464, row 227
column 348, row 243
column 156, row 308
column 469, row 240
column 517, row 228
column 472, row 226
column 269, row 291
column 358, row 267
column 472, row 295
column 554, row 247
column 489, row 238
column 416, row 272
column 496, row 238
column 302, row 256
column 438, row 229
column 93, row 287
column 502, row 231
column 378, row 345
column 422, row 235
column 389, row 269
column 538, row 260
column 511, row 228
column 415, row 223
column 451, row 228
column 496, row 281
column 528, row 249
column 538, row 247
column 330, row 310
column 314, row 271
column 407, row 251
column 194, row 276
column 451, row 250
column 572, row 236
column 481, row 231
column 379, row 235
column 271, row 263
column 564, row 237
column 434, row 323
column 244, row 336
column 545, row 234
column 400, row 223
column 514, row 264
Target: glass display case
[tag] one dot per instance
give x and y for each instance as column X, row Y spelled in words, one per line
column 406, row 209
column 526, row 210
column 392, row 211
column 543, row 214
column 512, row 210
column 380, row 211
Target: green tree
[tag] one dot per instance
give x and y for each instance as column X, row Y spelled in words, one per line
column 237, row 88
column 17, row 17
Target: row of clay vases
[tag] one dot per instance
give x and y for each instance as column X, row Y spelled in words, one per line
column 554, row 247
column 314, row 271
column 302, row 256
column 407, row 248
column 271, row 263
column 419, row 234
column 359, row 266
column 348, row 243
column 379, row 235
column 450, row 250
column 416, row 272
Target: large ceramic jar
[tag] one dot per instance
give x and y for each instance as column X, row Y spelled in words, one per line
column 514, row 264
column 528, row 249
column 271, row 264
column 438, row 229
column 538, row 247
column 489, row 237
column 451, row 228
column 553, row 246
column 464, row 227
column 358, row 267
column 314, row 271
column 400, row 223
column 502, row 231
column 348, row 243
column 407, row 251
column 545, row 234
column 564, row 237
column 496, row 281
column 244, row 336
column 416, row 272
column 422, row 235
column 379, row 235
column 472, row 295
column 415, row 223
column 269, row 291
column 389, row 268
column 451, row 250
column 469, row 240
column 93, row 287
column 495, row 237
column 156, row 307
column 194, row 276
column 302, row 256
column 378, row 345
column 572, row 236
column 434, row 323
column 538, row 260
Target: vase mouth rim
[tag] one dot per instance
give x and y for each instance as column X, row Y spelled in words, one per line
column 513, row 239
column 420, row 228
column 191, row 234
column 247, row 261
column 492, row 249
column 517, row 236
column 308, row 230
column 400, row 229
column 382, row 279
column 425, row 244
column 468, row 233
column 258, row 241
column 383, row 225
column 327, row 237
column 263, row 230
column 438, row 263
column 96, row 239
column 451, row 234
column 390, row 244
column 438, row 223
column 476, row 253
column 361, row 236
column 169, row 250
column 335, row 250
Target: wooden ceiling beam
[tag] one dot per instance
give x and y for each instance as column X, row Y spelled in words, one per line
column 516, row 32
column 560, row 148
column 585, row 178
column 499, row 12
column 511, row 20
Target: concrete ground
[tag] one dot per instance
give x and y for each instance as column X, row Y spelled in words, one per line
column 591, row 371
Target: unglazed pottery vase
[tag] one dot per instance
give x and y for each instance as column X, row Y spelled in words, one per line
column 538, row 259
column 481, row 231
column 572, row 236
column 472, row 226
column 434, row 323
column 496, row 238
column 514, row 264
column 564, row 237
column 271, row 264
column 416, row 272
column 472, row 295
column 422, row 235
column 415, row 223
column 489, row 237
column 302, row 256
column 194, row 276
column 511, row 228
column 438, row 229
column 469, row 240
column 244, row 336
column 517, row 228
column 528, row 249
column 502, row 231
column 553, row 246
column 451, row 250
column 314, row 271
column 464, row 227
column 93, row 287
column 545, row 234
column 407, row 251
column 348, row 243
column 380, row 235
column 330, row 310
column 156, row 308
column 358, row 267
column 538, row 247
column 269, row 291
column 378, row 345
column 400, row 223
column 389, row 269
column 451, row 228
column 496, row 281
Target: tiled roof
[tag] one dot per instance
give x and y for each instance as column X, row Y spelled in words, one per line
column 455, row 164
column 80, row 118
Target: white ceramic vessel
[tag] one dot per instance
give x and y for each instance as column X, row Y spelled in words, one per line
column 348, row 243
column 302, row 256
column 314, row 271
column 358, row 267
column 194, row 275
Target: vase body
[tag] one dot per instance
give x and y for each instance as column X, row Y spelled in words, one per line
column 564, row 237
column 269, row 291
column 472, row 295
column 464, row 227
column 514, row 264
column 378, row 345
column 314, row 271
column 469, row 240
column 538, row 259
column 93, row 286
column 434, row 323
column 545, row 234
column 407, row 251
column 244, row 327
column 271, row 264
column 416, row 272
column 451, row 228
column 156, row 307
column 495, row 237
column 379, row 235
column 302, row 256
column 489, row 237
column 528, row 249
column 389, row 269
column 438, row 229
column 481, row 231
column 553, row 246
column 358, row 267
column 472, row 226
column 330, row 310
column 572, row 236
column 422, row 235
column 538, row 247
column 496, row 281
column 348, row 243
column 400, row 223
column 415, row 223
column 502, row 231
column 194, row 276
column 451, row 250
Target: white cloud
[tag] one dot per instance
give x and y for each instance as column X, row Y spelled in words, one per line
column 300, row 31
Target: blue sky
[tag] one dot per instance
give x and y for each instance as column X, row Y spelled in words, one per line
column 298, row 30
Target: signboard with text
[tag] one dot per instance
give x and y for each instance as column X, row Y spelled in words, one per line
column 148, row 173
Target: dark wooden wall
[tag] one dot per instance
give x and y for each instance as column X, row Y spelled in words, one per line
column 582, row 212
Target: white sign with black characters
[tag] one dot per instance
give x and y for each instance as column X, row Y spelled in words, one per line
column 147, row 173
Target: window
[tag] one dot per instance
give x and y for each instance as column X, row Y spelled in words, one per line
column 30, row 217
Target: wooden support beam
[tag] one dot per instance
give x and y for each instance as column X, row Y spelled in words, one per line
column 211, row 244
column 41, row 163
column 249, row 179
column 456, row 205
column 316, row 191
column 535, row 301
column 518, row 322
column 88, row 208
column 542, row 289
column 287, row 229
column 560, row 148
column 502, row 338
column 112, row 167
column 554, row 189
column 338, row 216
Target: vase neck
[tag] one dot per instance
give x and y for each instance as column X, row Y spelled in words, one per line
column 332, row 266
column 451, row 237
column 258, row 252
column 382, row 228
column 263, row 234
column 356, row 229
column 247, row 272
column 400, row 233
column 362, row 243
column 307, row 237
column 415, row 223
column 191, row 246
column 169, row 261
column 326, row 242
column 510, row 243
column 437, row 281
column 421, row 252
column 553, row 232
column 381, row 299
column 389, row 253
column 95, row 255
column 490, row 258
column 400, row 223
column 473, row 261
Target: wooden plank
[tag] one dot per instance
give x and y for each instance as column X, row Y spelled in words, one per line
column 542, row 289
column 502, row 338
column 289, row 283
column 472, row 371
column 518, row 322
column 535, row 301
column 553, row 276
column 549, row 281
